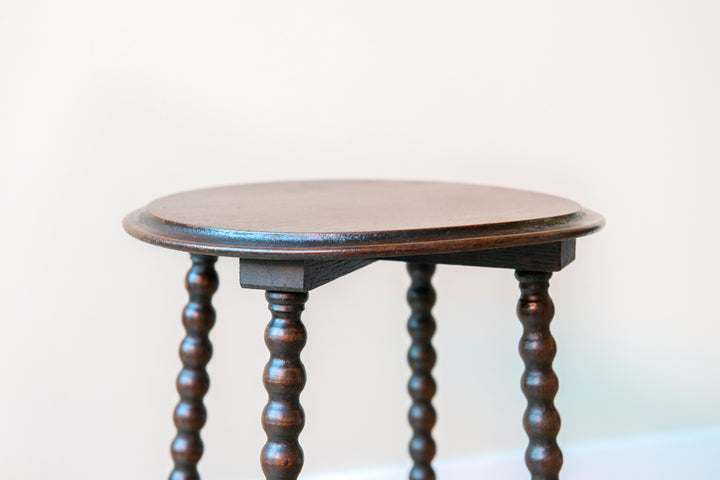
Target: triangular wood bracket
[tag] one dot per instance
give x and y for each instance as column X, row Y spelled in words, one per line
column 295, row 275
column 544, row 257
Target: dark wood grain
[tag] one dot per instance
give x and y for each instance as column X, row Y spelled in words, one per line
column 284, row 378
column 292, row 237
column 421, row 357
column 295, row 275
column 356, row 219
column 546, row 257
column 193, row 382
column 539, row 382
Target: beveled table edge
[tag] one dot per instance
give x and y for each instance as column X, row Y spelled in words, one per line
column 269, row 245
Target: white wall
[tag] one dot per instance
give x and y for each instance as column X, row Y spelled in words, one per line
column 106, row 105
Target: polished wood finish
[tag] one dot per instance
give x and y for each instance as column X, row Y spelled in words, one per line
column 295, row 275
column 539, row 382
column 193, row 382
column 284, row 378
column 546, row 257
column 421, row 357
column 292, row 237
column 356, row 219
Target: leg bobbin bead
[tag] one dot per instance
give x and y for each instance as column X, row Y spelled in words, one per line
column 284, row 378
column 539, row 382
column 193, row 381
column 421, row 357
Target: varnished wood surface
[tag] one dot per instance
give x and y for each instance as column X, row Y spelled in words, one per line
column 361, row 219
column 539, row 382
column 421, row 357
column 193, row 382
column 284, row 418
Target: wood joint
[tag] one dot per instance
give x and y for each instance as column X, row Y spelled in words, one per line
column 544, row 257
column 294, row 275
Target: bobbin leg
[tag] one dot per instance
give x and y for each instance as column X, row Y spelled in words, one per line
column 539, row 382
column 284, row 378
column 193, row 382
column 421, row 357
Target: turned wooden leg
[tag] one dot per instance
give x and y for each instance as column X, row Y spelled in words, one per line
column 539, row 382
column 421, row 357
column 193, row 382
column 284, row 378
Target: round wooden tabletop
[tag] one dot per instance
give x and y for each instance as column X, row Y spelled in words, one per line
column 356, row 219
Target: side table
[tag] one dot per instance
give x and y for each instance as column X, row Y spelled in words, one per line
column 291, row 237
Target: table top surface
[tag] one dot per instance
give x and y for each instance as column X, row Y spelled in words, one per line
column 356, row 219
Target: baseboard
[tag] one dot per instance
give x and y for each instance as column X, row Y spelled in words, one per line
column 693, row 455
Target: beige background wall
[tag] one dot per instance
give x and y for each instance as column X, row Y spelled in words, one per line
column 106, row 105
